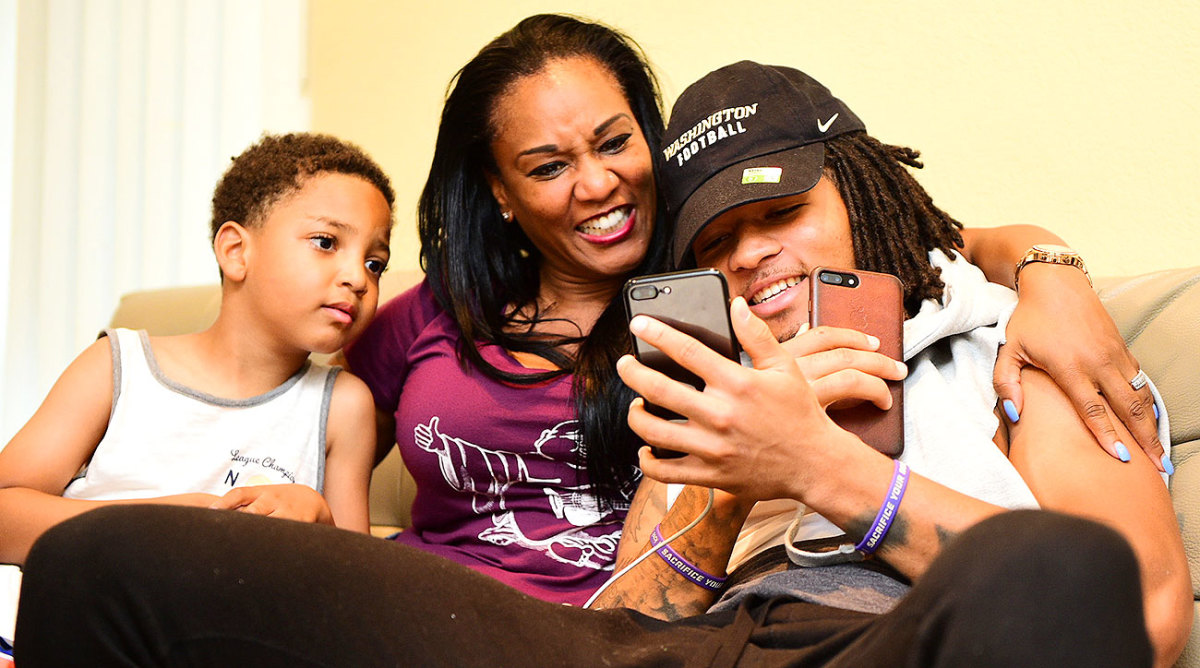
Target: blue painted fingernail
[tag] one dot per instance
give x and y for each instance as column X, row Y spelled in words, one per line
column 1167, row 465
column 1122, row 451
column 1010, row 409
column 1155, row 404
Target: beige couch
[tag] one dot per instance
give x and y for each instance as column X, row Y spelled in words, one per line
column 1158, row 313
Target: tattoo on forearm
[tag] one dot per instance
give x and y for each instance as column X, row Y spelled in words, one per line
column 676, row 601
column 900, row 533
column 657, row 589
column 665, row 608
column 859, row 526
column 945, row 536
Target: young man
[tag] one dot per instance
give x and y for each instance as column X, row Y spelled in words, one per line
column 774, row 177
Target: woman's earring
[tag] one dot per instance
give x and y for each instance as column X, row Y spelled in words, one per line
column 507, row 216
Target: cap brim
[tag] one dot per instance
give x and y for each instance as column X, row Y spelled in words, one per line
column 800, row 169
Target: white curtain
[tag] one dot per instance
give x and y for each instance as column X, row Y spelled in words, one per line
column 8, row 85
column 126, row 113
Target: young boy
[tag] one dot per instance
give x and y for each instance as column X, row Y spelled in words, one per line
column 235, row 416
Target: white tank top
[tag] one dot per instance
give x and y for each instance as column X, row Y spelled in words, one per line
column 165, row 438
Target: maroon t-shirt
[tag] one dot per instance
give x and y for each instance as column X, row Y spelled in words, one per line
column 499, row 483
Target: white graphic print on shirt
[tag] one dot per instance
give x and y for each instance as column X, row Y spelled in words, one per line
column 577, row 506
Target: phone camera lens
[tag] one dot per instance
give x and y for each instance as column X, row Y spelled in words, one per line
column 643, row 292
column 831, row 278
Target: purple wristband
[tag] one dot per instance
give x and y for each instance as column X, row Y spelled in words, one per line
column 682, row 566
column 887, row 513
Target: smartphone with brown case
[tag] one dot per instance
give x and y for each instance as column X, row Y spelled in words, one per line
column 872, row 303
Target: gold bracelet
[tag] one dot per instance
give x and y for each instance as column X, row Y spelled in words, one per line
column 1050, row 254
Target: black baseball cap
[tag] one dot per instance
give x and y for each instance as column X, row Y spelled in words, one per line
column 744, row 133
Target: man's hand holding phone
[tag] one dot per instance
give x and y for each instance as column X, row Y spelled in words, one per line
column 844, row 366
column 851, row 374
column 757, row 433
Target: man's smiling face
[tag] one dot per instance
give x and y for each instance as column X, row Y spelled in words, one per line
column 767, row 249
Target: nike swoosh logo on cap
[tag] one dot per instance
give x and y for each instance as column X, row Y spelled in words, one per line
column 825, row 126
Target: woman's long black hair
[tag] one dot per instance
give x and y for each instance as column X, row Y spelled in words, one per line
column 485, row 272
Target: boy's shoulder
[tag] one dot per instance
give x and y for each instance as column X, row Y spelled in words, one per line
column 346, row 387
column 350, row 401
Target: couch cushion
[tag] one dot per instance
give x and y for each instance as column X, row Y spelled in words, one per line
column 1159, row 316
column 169, row 311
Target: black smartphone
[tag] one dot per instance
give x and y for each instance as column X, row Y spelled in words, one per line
column 872, row 303
column 695, row 302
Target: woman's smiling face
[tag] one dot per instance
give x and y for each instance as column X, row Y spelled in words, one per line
column 574, row 171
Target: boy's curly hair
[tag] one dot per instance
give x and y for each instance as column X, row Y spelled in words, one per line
column 278, row 165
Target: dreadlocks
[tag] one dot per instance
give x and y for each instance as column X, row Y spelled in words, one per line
column 893, row 221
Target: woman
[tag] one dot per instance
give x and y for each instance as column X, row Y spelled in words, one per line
column 495, row 371
column 496, row 374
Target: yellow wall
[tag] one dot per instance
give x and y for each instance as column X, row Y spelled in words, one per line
column 1081, row 117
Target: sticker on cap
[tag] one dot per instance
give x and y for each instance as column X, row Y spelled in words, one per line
column 761, row 175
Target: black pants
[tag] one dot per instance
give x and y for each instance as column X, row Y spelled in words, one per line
column 165, row 586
